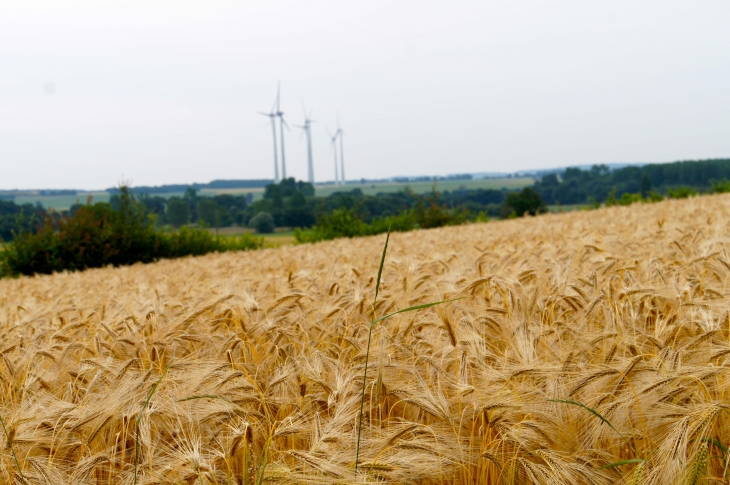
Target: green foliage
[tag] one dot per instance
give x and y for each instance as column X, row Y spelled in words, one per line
column 628, row 198
column 611, row 199
column 263, row 222
column 574, row 186
column 347, row 223
column 481, row 217
column 211, row 214
column 527, row 201
column 340, row 223
column 430, row 213
column 721, row 187
column 653, row 196
column 681, row 192
column 98, row 235
column 195, row 242
column 645, row 184
column 14, row 218
column 178, row 211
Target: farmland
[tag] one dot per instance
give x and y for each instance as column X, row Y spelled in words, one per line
column 589, row 347
column 64, row 202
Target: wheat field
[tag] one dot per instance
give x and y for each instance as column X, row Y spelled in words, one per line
column 586, row 348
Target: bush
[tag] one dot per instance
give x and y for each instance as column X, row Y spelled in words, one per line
column 194, row 242
column 263, row 222
column 653, row 196
column 436, row 215
column 611, row 200
column 721, row 187
column 346, row 223
column 628, row 198
column 402, row 222
column 98, row 235
column 527, row 201
column 681, row 192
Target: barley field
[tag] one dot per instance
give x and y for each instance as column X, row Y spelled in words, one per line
column 586, row 348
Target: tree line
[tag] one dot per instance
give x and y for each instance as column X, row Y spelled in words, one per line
column 599, row 183
column 294, row 204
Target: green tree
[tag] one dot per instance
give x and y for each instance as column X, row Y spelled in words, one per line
column 645, row 185
column 527, row 201
column 178, row 211
column 263, row 222
column 209, row 212
column 191, row 196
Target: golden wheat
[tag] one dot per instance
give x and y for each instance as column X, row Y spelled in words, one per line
column 583, row 340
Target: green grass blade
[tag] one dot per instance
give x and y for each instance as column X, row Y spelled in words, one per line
column 370, row 335
column 717, row 443
column 413, row 308
column 380, row 269
column 367, row 352
column 12, row 450
column 590, row 410
column 623, row 462
column 599, row 416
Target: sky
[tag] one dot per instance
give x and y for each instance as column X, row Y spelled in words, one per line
column 93, row 93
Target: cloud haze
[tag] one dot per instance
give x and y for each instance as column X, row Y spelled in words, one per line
column 91, row 92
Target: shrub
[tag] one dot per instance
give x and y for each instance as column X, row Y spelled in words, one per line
column 436, row 215
column 653, row 196
column 721, row 187
column 193, row 242
column 611, row 200
column 681, row 192
column 347, row 223
column 403, row 222
column 263, row 222
column 527, row 201
column 98, row 235
column 628, row 198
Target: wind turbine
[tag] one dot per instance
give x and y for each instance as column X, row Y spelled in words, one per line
column 333, row 147
column 282, row 124
column 340, row 133
column 272, row 115
column 307, row 127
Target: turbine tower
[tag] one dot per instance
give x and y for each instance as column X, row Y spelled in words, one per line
column 340, row 133
column 333, row 148
column 307, row 127
column 272, row 116
column 282, row 124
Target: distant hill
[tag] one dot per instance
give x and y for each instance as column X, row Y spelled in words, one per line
column 215, row 184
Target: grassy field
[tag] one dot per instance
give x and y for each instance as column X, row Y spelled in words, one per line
column 417, row 187
column 282, row 236
column 590, row 347
column 64, row 202
column 424, row 187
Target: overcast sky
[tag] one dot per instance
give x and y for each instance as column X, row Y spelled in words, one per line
column 95, row 92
